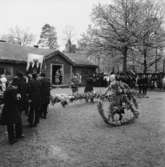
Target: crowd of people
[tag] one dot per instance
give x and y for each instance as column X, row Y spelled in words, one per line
column 24, row 93
column 31, row 93
column 142, row 82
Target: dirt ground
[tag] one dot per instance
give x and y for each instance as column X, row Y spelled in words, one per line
column 76, row 136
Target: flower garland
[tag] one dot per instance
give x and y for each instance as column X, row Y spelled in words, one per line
column 127, row 97
column 112, row 122
column 65, row 99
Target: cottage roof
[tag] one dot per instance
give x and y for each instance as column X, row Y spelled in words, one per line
column 16, row 53
column 10, row 52
column 79, row 59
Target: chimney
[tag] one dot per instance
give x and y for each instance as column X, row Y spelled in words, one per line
column 36, row 46
column 1, row 40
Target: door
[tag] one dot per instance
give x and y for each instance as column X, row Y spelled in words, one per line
column 57, row 74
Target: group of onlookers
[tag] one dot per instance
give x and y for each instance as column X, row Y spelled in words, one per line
column 155, row 81
column 150, row 81
column 142, row 84
column 29, row 93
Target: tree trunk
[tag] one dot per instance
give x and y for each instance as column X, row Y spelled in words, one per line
column 98, row 61
column 145, row 60
column 163, row 66
column 125, row 50
column 156, row 64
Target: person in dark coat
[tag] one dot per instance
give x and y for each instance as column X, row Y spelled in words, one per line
column 30, row 68
column 22, row 89
column 11, row 115
column 45, row 95
column 34, row 90
column 89, row 87
column 145, row 84
column 140, row 84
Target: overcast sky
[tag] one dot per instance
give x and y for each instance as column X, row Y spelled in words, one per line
column 33, row 14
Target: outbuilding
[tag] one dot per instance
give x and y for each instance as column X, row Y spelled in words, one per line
column 13, row 58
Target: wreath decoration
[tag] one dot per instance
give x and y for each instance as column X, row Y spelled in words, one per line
column 127, row 103
column 128, row 99
column 109, row 120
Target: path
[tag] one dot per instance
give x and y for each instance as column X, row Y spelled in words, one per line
column 76, row 136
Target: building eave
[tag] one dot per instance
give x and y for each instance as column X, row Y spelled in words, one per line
column 48, row 56
column 12, row 61
column 85, row 66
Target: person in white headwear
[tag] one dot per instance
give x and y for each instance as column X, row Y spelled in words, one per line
column 120, row 92
column 3, row 81
column 113, row 87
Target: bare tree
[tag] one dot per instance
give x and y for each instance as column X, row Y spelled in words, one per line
column 114, row 26
column 123, row 27
column 112, row 29
column 19, row 36
column 149, row 33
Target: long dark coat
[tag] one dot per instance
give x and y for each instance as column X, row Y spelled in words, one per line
column 34, row 90
column 145, row 82
column 45, row 91
column 89, row 85
column 10, row 112
column 22, row 86
column 22, row 89
column 140, row 82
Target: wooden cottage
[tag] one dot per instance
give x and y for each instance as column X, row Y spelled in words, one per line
column 13, row 58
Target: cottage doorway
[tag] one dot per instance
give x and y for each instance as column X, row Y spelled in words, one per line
column 57, row 74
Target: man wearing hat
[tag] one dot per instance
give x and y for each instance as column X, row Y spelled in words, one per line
column 45, row 95
column 11, row 115
column 34, row 91
column 22, row 89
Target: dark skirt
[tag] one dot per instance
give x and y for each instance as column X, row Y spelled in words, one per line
column 88, row 89
column 10, row 116
column 74, row 89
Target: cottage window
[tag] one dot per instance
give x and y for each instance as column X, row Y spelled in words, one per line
column 2, row 70
column 5, row 70
column 8, row 71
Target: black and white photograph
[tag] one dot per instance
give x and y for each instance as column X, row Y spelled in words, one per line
column 82, row 83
